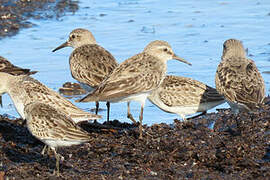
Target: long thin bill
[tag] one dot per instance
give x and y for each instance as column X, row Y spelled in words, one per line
column 65, row 44
column 181, row 59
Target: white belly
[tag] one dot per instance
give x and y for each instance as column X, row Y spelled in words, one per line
column 141, row 97
column 187, row 109
column 60, row 143
column 19, row 105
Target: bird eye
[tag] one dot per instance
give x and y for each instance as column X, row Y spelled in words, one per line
column 165, row 49
column 73, row 36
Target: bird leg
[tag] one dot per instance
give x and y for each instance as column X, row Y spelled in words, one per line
column 141, row 118
column 183, row 117
column 97, row 107
column 44, row 149
column 56, row 171
column 108, row 111
column 129, row 115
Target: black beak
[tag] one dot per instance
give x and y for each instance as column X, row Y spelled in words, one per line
column 181, row 59
column 65, row 44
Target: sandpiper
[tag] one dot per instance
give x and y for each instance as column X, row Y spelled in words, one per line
column 238, row 79
column 185, row 96
column 8, row 67
column 53, row 127
column 136, row 77
column 89, row 63
column 25, row 89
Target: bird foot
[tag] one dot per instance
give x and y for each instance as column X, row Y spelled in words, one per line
column 146, row 132
column 131, row 118
column 56, row 173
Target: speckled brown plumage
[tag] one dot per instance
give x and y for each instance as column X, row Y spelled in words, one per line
column 141, row 73
column 89, row 63
column 136, row 77
column 238, row 79
column 185, row 96
column 46, row 122
column 53, row 127
column 131, row 77
column 24, row 90
column 7, row 67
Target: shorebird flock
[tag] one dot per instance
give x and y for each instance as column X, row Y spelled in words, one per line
column 53, row 119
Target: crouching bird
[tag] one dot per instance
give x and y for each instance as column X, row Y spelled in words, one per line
column 53, row 128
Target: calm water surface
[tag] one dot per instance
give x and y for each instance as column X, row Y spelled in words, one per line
column 195, row 29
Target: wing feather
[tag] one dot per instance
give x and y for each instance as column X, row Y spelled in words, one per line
column 141, row 73
column 91, row 64
column 182, row 91
column 240, row 81
column 45, row 122
column 37, row 91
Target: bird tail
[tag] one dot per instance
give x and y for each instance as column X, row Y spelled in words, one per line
column 88, row 98
column 32, row 72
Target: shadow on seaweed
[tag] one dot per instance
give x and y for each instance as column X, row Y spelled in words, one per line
column 266, row 157
column 17, row 134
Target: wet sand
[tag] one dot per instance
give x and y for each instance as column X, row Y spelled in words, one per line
column 15, row 15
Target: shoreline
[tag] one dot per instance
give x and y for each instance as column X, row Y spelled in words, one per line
column 16, row 15
column 237, row 147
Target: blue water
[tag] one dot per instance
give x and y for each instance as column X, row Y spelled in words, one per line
column 195, row 29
